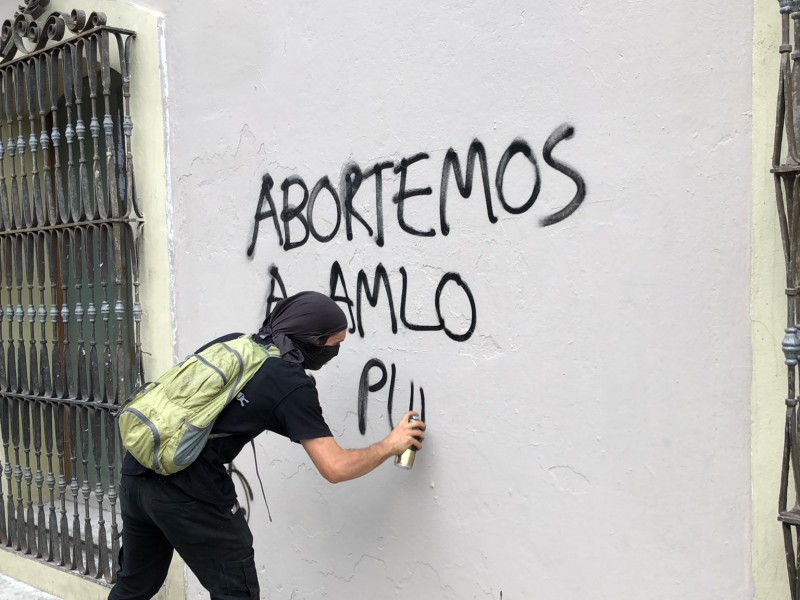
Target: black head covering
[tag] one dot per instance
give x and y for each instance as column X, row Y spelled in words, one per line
column 298, row 324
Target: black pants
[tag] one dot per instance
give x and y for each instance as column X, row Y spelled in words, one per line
column 158, row 517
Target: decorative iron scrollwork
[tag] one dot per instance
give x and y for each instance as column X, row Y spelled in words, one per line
column 35, row 8
column 30, row 32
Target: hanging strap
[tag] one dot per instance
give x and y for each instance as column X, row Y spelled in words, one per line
column 261, row 483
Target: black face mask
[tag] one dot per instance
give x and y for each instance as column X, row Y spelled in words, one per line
column 316, row 356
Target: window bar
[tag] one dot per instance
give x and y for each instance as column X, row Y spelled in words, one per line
column 41, row 523
column 11, row 147
column 94, row 126
column 44, row 140
column 65, row 421
column 111, row 438
column 105, row 312
column 46, row 390
column 19, row 523
column 5, row 218
column 108, row 126
column 22, row 368
column 19, row 86
column 8, row 407
column 99, row 492
column 93, row 395
column 123, row 368
column 785, row 85
column 115, row 390
column 69, row 133
column 96, row 447
column 787, row 190
column 33, row 142
column 64, row 367
column 136, row 233
column 81, row 389
column 12, row 358
column 72, row 429
column 42, row 243
column 30, row 532
column 22, row 386
column 63, row 412
column 64, row 559
column 127, row 126
column 94, row 376
column 51, row 533
column 80, row 128
column 65, row 244
column 6, row 516
column 117, row 394
column 54, row 250
column 84, row 416
column 5, row 424
column 29, row 244
column 52, row 61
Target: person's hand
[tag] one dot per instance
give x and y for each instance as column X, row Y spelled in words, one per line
column 406, row 435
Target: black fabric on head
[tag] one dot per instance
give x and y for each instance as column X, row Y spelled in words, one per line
column 298, row 325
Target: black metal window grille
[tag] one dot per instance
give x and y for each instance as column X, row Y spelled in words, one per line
column 70, row 231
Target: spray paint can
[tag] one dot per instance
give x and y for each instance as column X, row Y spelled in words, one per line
column 406, row 459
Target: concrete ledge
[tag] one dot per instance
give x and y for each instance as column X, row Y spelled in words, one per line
column 56, row 580
column 50, row 578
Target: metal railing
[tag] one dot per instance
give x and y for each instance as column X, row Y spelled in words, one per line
column 70, row 231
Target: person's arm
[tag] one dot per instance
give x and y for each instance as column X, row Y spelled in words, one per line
column 337, row 464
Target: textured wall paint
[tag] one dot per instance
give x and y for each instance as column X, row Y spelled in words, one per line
column 591, row 439
column 769, row 316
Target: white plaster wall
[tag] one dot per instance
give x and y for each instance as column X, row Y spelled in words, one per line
column 591, row 439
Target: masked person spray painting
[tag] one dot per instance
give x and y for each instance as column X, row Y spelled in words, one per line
column 195, row 511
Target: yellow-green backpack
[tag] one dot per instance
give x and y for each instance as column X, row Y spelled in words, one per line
column 166, row 423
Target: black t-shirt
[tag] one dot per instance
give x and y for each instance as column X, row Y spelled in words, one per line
column 281, row 397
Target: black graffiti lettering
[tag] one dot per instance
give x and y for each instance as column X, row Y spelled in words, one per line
column 336, row 277
column 362, row 285
column 518, row 146
column 339, row 293
column 266, row 186
column 351, row 180
column 390, row 400
column 464, row 183
column 403, row 318
column 323, row 184
column 456, row 278
column 563, row 132
column 404, row 194
column 291, row 213
column 275, row 278
column 421, row 402
column 364, row 387
column 377, row 170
